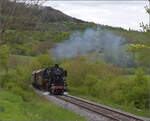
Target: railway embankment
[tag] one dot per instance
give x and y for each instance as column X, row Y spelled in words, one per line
column 89, row 115
column 90, row 110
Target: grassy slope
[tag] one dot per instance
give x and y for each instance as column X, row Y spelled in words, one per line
column 14, row 108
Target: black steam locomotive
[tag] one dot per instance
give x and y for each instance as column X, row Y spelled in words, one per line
column 50, row 79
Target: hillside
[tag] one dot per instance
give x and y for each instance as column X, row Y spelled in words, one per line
column 32, row 30
column 48, row 14
column 29, row 32
column 30, row 15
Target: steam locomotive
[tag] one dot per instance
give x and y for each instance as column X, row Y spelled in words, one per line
column 50, row 79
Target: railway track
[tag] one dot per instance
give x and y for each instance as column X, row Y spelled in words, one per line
column 100, row 109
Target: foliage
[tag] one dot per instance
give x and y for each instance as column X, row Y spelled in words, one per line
column 18, row 60
column 139, row 94
column 19, row 101
column 24, row 25
column 4, row 54
column 142, row 47
column 106, row 82
column 18, row 79
column 141, row 50
column 102, row 81
column 80, row 67
column 28, row 37
column 42, row 61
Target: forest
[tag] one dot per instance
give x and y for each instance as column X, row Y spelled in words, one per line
column 28, row 35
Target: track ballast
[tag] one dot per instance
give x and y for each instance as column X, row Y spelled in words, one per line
column 105, row 111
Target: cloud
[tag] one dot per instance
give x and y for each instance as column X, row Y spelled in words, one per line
column 114, row 13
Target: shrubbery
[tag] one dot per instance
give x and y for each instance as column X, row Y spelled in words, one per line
column 42, row 61
column 18, row 80
column 89, row 78
column 107, row 82
column 18, row 100
column 139, row 93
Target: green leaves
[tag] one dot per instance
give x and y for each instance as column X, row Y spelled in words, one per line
column 42, row 61
column 4, row 54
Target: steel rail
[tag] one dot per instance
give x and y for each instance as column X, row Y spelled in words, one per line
column 96, row 108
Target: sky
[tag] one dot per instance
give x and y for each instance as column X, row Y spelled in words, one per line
column 123, row 14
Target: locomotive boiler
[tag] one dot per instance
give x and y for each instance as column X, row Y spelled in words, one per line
column 50, row 79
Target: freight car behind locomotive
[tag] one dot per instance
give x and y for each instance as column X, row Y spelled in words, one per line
column 50, row 79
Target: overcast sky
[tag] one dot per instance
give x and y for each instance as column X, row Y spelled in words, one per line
column 123, row 14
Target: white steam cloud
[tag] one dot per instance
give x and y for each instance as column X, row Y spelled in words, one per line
column 81, row 43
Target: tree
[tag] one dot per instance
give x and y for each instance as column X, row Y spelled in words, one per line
column 146, row 27
column 142, row 48
column 16, row 15
column 4, row 54
column 42, row 61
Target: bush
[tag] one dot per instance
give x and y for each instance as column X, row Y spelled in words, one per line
column 129, row 71
column 79, row 68
column 139, row 94
column 107, row 82
column 17, row 81
column 91, row 83
column 42, row 61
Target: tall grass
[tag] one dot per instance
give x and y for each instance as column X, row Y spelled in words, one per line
column 14, row 108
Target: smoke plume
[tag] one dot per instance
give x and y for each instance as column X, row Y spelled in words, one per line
column 91, row 40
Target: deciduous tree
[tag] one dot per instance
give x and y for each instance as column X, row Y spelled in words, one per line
column 4, row 54
column 142, row 48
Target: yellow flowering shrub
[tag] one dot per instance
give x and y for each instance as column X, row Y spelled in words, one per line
column 139, row 46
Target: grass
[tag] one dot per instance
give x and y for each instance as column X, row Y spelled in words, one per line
column 138, row 112
column 14, row 108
